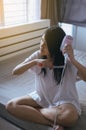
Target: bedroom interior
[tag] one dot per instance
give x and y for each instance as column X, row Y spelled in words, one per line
column 17, row 42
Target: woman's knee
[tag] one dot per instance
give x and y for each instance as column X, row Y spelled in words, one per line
column 10, row 106
column 68, row 117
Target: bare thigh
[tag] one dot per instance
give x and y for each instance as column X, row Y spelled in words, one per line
column 27, row 109
column 25, row 100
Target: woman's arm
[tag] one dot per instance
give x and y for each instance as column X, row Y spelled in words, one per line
column 24, row 66
column 81, row 69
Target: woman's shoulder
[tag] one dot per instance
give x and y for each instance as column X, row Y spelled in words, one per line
column 36, row 54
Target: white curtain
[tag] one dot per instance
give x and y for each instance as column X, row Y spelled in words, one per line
column 1, row 13
column 34, row 10
column 20, row 11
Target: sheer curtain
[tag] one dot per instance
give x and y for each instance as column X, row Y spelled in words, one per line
column 73, row 11
column 34, row 10
column 14, row 12
column 1, row 13
column 49, row 10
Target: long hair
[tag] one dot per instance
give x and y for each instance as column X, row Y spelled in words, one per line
column 54, row 37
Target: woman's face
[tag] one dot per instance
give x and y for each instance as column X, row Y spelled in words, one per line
column 43, row 47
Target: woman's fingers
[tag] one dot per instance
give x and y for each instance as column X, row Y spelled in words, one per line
column 45, row 63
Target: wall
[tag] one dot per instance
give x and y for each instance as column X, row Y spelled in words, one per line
column 22, row 38
column 79, row 38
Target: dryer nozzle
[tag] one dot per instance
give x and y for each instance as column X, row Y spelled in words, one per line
column 67, row 40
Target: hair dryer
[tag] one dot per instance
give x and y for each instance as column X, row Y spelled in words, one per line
column 66, row 40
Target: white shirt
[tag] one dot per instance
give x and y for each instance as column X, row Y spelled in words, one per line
column 48, row 93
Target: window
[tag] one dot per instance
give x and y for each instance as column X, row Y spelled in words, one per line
column 1, row 13
column 19, row 11
column 68, row 28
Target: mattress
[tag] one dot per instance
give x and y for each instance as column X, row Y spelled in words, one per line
column 19, row 91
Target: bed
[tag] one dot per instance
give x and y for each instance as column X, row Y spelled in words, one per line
column 11, row 87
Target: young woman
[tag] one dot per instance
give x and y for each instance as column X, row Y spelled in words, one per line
column 55, row 100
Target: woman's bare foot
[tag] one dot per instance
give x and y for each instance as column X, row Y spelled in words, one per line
column 59, row 127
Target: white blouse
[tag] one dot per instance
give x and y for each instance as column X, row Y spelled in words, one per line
column 47, row 93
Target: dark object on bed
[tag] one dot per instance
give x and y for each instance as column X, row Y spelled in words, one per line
column 81, row 124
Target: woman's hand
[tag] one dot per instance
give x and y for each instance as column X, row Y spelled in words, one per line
column 69, row 51
column 44, row 63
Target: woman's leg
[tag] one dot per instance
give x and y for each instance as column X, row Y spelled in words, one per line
column 66, row 114
column 26, row 108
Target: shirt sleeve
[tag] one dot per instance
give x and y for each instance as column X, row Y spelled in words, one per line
column 36, row 68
